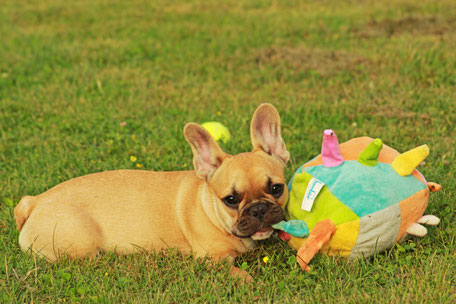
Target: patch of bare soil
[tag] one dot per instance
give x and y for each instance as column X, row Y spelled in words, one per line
column 397, row 112
column 323, row 62
column 414, row 25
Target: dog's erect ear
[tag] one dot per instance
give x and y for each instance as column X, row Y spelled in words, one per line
column 207, row 155
column 265, row 132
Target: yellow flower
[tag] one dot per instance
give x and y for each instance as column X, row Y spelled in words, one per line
column 265, row 259
column 139, row 165
column 219, row 113
column 106, row 274
column 133, row 158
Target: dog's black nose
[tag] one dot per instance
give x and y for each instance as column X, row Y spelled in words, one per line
column 258, row 210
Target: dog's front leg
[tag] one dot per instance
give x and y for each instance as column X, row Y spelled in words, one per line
column 235, row 272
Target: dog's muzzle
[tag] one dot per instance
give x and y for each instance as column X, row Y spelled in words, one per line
column 258, row 217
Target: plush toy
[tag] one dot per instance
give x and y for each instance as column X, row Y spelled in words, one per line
column 356, row 198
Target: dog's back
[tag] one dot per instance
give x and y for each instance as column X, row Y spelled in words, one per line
column 114, row 210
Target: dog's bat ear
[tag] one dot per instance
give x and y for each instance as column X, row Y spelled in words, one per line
column 207, row 155
column 265, row 132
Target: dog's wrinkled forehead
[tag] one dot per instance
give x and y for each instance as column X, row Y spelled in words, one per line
column 248, row 173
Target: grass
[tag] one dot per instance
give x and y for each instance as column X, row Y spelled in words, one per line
column 85, row 85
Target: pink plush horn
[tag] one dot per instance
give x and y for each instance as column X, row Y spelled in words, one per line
column 330, row 152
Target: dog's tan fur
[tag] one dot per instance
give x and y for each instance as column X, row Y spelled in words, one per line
column 129, row 209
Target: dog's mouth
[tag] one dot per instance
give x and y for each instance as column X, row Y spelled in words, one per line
column 250, row 224
column 262, row 234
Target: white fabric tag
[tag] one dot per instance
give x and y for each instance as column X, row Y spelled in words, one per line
column 313, row 188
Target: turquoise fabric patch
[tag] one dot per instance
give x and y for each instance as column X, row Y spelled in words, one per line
column 296, row 228
column 292, row 178
column 366, row 189
column 298, row 171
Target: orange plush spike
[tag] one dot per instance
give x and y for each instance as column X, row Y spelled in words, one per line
column 434, row 187
column 319, row 236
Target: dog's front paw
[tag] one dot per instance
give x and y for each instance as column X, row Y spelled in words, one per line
column 236, row 272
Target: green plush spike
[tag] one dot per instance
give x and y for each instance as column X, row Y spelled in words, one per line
column 369, row 156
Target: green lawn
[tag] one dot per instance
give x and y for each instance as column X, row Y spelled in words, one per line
column 84, row 85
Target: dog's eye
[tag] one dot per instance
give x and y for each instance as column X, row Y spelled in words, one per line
column 230, row 201
column 277, row 190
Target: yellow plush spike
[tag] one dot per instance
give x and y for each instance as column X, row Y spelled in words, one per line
column 405, row 163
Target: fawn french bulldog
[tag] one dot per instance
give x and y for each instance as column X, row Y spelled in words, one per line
column 218, row 209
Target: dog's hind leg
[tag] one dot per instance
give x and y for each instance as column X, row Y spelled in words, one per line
column 53, row 230
column 23, row 210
